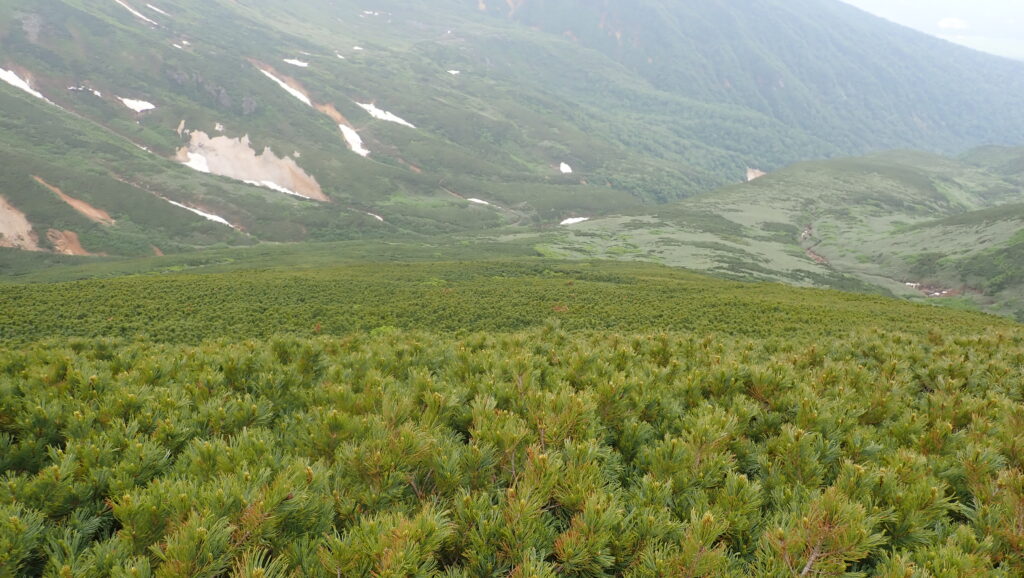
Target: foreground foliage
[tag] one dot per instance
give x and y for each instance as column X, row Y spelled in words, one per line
column 536, row 453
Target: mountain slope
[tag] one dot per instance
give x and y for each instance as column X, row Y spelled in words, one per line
column 907, row 223
column 846, row 77
column 409, row 118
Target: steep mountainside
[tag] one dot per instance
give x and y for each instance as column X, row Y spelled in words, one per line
column 840, row 75
column 195, row 124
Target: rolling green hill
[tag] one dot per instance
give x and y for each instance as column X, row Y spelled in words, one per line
column 911, row 224
column 646, row 103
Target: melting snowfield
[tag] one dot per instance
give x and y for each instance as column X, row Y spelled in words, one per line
column 565, row 168
column 355, row 142
column 157, row 10
column 275, row 187
column 93, row 91
column 296, row 62
column 352, row 138
column 384, row 115
column 203, row 214
column 15, row 229
column 137, row 105
column 12, row 78
column 236, row 159
column 136, row 13
column 197, row 162
column 479, row 201
column 288, row 88
column 575, row 220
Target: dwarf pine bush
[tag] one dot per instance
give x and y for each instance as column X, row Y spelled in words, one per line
column 536, row 453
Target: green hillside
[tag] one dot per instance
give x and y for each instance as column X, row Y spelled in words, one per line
column 502, row 419
column 646, row 103
column 826, row 68
column 911, row 224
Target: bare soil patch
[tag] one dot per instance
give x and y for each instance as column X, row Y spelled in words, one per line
column 66, row 243
column 85, row 209
column 235, row 158
column 15, row 229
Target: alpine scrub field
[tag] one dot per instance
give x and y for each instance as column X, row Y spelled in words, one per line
column 565, row 447
column 266, row 299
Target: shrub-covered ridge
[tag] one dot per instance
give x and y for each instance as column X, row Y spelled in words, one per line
column 537, row 453
column 449, row 297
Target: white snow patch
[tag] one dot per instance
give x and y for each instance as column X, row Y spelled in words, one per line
column 565, row 168
column 355, row 142
column 338, row 54
column 203, row 214
column 288, row 88
column 136, row 13
column 376, row 216
column 178, row 46
column 137, row 105
column 297, row 62
column 197, row 162
column 186, row 43
column 357, row 48
column 454, row 72
column 575, row 220
column 12, row 78
column 479, row 201
column 275, row 187
column 384, row 115
column 157, row 10
column 94, row 92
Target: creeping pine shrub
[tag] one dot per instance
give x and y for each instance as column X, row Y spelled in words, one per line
column 536, row 453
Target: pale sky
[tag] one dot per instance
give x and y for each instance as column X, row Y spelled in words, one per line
column 995, row 26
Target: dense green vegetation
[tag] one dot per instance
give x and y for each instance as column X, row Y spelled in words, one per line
column 448, row 297
column 544, row 452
